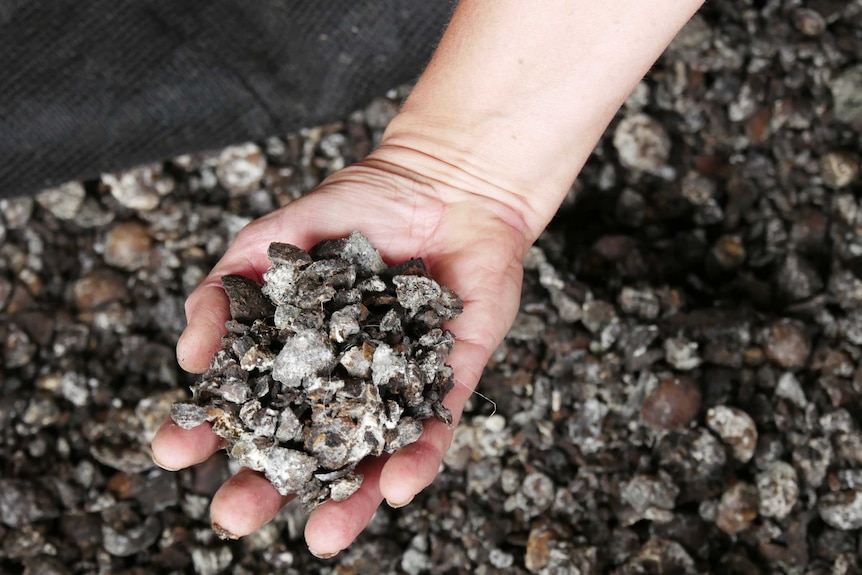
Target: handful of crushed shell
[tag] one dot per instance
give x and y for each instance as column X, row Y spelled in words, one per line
column 337, row 357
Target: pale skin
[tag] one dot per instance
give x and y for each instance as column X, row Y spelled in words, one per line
column 467, row 176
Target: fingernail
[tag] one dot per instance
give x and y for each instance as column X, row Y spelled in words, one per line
column 223, row 533
column 162, row 465
column 398, row 505
column 323, row 555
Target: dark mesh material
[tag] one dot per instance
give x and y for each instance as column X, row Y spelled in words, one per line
column 88, row 87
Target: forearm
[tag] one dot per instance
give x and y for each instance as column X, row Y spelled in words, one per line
column 518, row 93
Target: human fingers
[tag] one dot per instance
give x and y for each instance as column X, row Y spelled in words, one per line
column 335, row 524
column 412, row 468
column 206, row 313
column 207, row 307
column 245, row 502
column 177, row 448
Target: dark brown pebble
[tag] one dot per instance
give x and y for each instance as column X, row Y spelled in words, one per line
column 287, row 254
column 673, row 403
column 737, row 508
column 247, row 303
column 127, row 246
column 786, row 344
column 99, row 288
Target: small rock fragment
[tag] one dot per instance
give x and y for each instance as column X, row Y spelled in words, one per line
column 681, row 353
column 789, row 388
column 839, row 169
column 16, row 212
column 99, row 288
column 641, row 302
column 842, row 509
column 304, row 354
column 211, row 561
column 62, row 202
column 240, row 168
column 777, row 489
column 127, row 246
column 140, row 188
column 736, row 428
column 543, row 537
column 846, row 90
column 407, row 431
column 649, row 497
column 813, row 459
column 728, row 252
column 24, row 502
column 642, row 143
column 18, row 349
column 809, row 21
column 247, row 303
column 129, row 541
column 342, row 488
column 356, row 249
column 188, row 415
column 797, row 279
column 787, row 344
column 288, row 470
column 674, row 403
column 737, row 508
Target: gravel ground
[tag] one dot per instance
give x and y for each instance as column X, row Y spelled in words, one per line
column 680, row 393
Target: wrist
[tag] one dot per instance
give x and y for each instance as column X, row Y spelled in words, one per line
column 468, row 159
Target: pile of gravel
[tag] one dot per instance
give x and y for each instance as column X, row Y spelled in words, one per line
column 337, row 357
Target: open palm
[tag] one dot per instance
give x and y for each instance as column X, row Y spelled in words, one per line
column 470, row 242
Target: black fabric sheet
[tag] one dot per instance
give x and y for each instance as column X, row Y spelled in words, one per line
column 89, row 87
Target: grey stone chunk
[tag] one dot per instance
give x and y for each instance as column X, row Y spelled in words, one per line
column 415, row 292
column 342, row 441
column 247, row 454
column 280, row 284
column 736, row 428
column 289, row 427
column 342, row 488
column 132, row 540
column 23, row 502
column 407, row 431
column 356, row 249
column 287, row 469
column 355, row 362
column 294, row 318
column 777, row 489
column 842, row 509
column 240, row 168
column 387, row 365
column 642, row 143
column 391, row 322
column 372, row 284
column 257, row 358
column 63, row 202
column 304, row 354
column 188, row 415
column 847, row 95
column 345, row 322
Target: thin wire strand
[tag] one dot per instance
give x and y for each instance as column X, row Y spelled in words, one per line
column 483, row 396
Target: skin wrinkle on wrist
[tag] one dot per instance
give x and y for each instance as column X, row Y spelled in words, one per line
column 454, row 181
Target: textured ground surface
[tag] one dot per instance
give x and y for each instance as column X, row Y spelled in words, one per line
column 679, row 394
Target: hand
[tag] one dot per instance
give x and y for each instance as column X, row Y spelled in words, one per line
column 408, row 205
